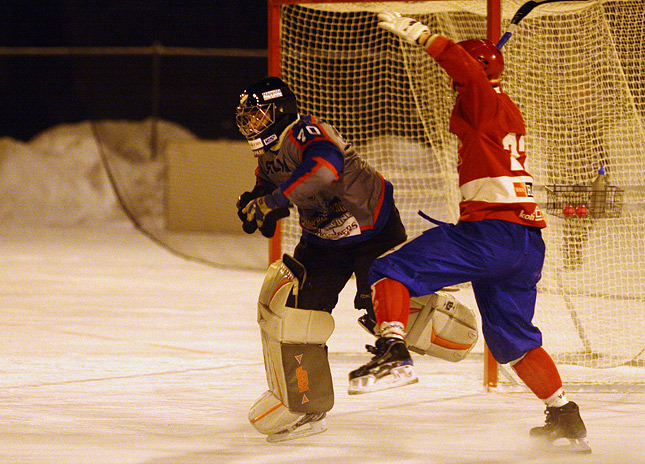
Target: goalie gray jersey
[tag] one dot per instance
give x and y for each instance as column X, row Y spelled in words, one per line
column 340, row 198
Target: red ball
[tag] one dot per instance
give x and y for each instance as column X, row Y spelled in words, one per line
column 568, row 211
column 581, row 211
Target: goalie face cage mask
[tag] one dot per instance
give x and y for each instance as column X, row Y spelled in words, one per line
column 266, row 109
column 254, row 120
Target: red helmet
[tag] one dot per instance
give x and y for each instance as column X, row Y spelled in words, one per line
column 488, row 55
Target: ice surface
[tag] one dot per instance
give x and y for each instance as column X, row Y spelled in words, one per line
column 116, row 351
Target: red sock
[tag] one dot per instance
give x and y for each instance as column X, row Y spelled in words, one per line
column 538, row 371
column 391, row 301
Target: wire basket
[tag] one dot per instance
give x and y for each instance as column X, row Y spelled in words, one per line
column 579, row 201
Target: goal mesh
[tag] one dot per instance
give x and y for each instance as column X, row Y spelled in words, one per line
column 575, row 70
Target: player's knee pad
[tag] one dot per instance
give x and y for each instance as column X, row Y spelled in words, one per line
column 295, row 354
column 442, row 326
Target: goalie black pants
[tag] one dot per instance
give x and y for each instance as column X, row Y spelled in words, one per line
column 330, row 268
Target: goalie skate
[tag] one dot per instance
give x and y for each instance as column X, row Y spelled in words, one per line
column 310, row 424
column 390, row 367
column 564, row 429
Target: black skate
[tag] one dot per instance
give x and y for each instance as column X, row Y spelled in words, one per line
column 309, row 424
column 564, row 422
column 390, row 367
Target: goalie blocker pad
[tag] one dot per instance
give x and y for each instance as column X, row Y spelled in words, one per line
column 295, row 354
column 442, row 326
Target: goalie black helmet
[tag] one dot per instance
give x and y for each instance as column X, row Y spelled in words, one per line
column 266, row 109
column 488, row 55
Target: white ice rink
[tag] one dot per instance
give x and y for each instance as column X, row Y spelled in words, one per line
column 117, row 351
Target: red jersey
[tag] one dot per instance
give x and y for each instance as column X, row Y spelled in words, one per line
column 493, row 179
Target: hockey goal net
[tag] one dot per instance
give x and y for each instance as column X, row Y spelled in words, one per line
column 576, row 71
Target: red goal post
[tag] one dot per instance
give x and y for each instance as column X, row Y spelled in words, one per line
column 493, row 28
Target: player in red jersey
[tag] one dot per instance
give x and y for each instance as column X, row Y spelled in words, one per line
column 496, row 244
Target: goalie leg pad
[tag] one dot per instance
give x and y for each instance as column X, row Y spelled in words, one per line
column 442, row 326
column 295, row 358
column 271, row 417
column 268, row 414
column 278, row 284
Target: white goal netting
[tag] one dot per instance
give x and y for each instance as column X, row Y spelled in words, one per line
column 576, row 70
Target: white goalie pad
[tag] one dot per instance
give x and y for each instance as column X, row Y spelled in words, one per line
column 295, row 356
column 442, row 326
column 269, row 415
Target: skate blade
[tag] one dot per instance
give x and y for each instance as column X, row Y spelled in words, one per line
column 397, row 377
column 564, row 445
column 574, row 445
column 306, row 430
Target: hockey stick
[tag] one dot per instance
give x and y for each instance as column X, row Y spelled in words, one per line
column 521, row 14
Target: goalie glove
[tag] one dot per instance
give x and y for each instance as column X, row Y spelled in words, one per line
column 259, row 190
column 266, row 211
column 248, row 226
column 410, row 30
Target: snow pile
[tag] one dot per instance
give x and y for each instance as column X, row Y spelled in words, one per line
column 58, row 177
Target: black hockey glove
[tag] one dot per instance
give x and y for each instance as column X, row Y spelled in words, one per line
column 266, row 211
column 259, row 190
column 248, row 226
